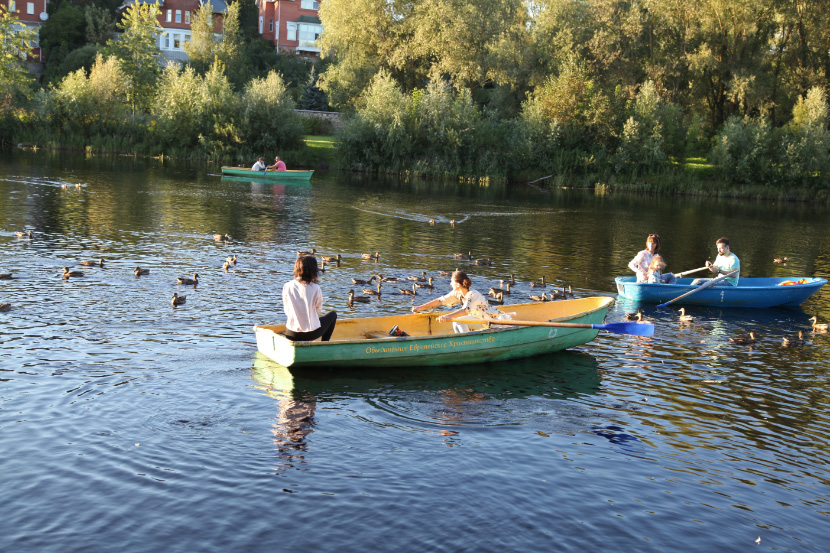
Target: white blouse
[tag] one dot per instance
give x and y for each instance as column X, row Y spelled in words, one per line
column 302, row 304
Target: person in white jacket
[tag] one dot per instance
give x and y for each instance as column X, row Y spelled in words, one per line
column 302, row 301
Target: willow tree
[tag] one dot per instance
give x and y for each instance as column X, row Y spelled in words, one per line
column 138, row 51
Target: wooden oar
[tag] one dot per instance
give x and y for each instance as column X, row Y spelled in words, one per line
column 637, row 329
column 684, row 273
column 701, row 287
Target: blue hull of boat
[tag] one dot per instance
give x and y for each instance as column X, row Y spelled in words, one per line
column 750, row 292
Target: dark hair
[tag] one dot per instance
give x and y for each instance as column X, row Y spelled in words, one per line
column 723, row 240
column 305, row 269
column 656, row 239
column 461, row 278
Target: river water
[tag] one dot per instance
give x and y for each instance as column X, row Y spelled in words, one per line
column 130, row 425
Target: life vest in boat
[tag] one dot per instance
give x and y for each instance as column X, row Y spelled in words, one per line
column 791, row 282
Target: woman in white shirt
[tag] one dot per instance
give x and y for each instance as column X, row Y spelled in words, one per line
column 640, row 263
column 302, row 301
column 473, row 303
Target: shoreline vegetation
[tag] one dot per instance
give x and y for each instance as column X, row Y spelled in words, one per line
column 678, row 116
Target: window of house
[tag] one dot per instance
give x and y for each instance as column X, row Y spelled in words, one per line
column 169, row 17
column 178, row 16
column 277, row 31
column 187, row 17
column 309, row 34
column 12, row 6
column 30, row 8
column 271, row 26
column 177, row 41
column 165, row 42
column 291, row 30
column 309, row 5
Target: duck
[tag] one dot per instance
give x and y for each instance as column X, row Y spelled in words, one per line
column 406, row 292
column 5, row 306
column 422, row 278
column 638, row 316
column 819, row 327
column 468, row 255
column 447, row 273
column 800, row 341
column 231, row 259
column 302, row 253
column 511, row 280
column 361, row 281
column 6, row 276
column 484, row 262
column 67, row 273
column 226, row 265
column 542, row 284
column 370, row 256
column 543, row 297
column 371, row 292
column 79, row 185
column 432, row 222
column 452, row 223
column 177, row 299
column 139, row 271
column 382, row 278
column 189, row 281
column 745, row 340
column 353, row 298
column 427, row 284
column 100, row 263
column 683, row 316
column 322, row 268
column 505, row 290
column 498, row 300
column 65, row 186
column 221, row 237
column 334, row 259
column 24, row 234
column 570, row 291
column 780, row 260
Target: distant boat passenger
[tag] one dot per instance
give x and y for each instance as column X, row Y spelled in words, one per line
column 278, row 165
column 259, row 165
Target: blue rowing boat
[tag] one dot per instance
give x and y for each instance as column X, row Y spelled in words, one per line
column 750, row 292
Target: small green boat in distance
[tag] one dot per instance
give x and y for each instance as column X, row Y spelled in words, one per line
column 365, row 342
column 277, row 176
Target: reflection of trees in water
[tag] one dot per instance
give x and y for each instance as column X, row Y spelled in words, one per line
column 294, row 422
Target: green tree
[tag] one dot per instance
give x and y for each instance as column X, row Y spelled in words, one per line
column 269, row 121
column 15, row 81
column 62, row 33
column 202, row 46
column 138, row 52
column 179, row 108
column 231, row 47
column 807, row 147
column 100, row 24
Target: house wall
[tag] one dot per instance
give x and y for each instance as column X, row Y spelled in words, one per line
column 282, row 22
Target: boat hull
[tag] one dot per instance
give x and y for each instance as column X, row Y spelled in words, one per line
column 281, row 176
column 365, row 342
column 750, row 292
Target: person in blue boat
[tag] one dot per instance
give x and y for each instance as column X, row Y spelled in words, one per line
column 725, row 263
column 302, row 301
column 278, row 165
column 259, row 165
column 642, row 263
column 473, row 303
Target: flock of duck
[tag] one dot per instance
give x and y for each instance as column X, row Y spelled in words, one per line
column 794, row 341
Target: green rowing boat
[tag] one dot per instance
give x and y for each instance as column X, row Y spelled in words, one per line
column 280, row 176
column 365, row 342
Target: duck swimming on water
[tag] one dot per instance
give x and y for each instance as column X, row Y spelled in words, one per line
column 189, row 281
column 744, row 340
column 818, row 328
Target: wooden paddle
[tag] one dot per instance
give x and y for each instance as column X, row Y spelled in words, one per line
column 637, row 329
column 701, row 287
column 684, row 273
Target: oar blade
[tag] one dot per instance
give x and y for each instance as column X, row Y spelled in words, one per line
column 635, row 329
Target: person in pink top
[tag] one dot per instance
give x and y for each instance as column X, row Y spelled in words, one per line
column 302, row 301
column 278, row 165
